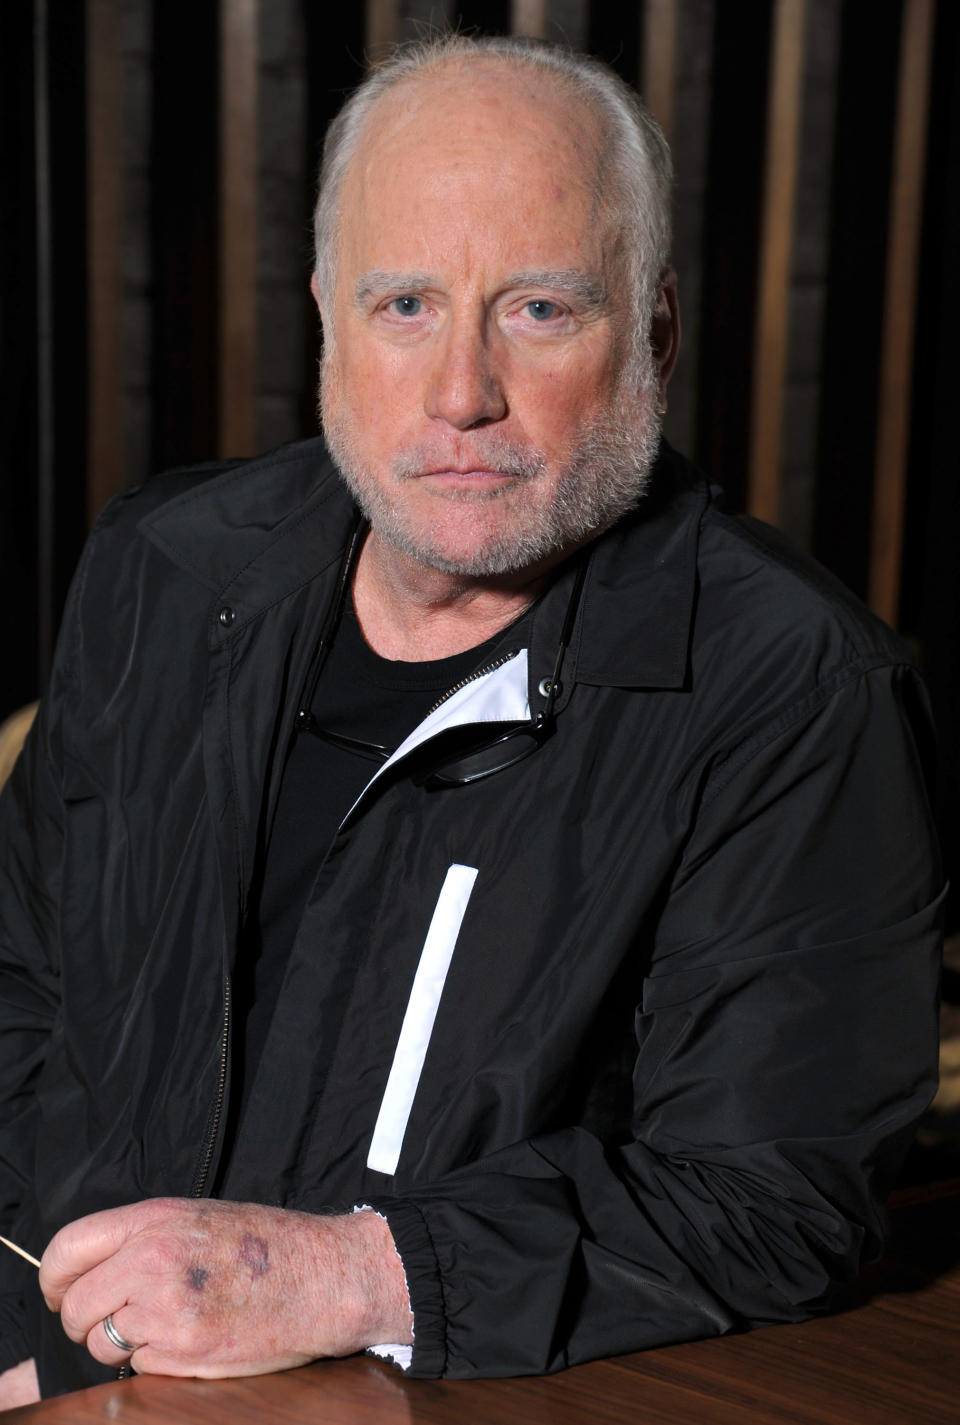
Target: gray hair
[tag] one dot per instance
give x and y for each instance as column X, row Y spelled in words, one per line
column 635, row 167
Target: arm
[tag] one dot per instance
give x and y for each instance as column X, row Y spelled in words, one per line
column 786, row 1045
column 31, row 841
column 214, row 1289
column 786, row 1042
column 29, row 857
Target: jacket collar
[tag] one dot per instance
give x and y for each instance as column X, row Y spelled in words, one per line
column 634, row 625
column 267, row 526
column 259, row 530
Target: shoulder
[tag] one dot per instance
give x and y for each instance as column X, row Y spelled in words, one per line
column 222, row 493
column 770, row 633
column 168, row 547
column 212, row 518
column 759, row 591
column 777, row 639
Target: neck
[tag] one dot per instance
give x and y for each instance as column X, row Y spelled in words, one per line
column 410, row 612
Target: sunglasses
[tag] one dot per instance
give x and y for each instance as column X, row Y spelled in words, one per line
column 482, row 758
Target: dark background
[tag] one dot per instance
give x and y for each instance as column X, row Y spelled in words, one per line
column 161, row 254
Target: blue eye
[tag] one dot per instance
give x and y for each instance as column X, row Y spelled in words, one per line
column 407, row 306
column 542, row 311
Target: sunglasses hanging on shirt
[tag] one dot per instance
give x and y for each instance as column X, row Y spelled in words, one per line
column 475, row 757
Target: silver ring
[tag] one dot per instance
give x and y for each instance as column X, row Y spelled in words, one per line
column 114, row 1337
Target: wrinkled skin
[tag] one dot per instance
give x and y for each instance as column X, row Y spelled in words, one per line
column 479, row 391
column 480, row 355
column 216, row 1289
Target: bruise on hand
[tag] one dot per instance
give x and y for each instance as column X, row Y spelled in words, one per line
column 254, row 1254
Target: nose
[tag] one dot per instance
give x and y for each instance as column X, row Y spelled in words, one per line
column 464, row 389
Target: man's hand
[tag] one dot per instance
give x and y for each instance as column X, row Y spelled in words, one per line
column 19, row 1386
column 225, row 1289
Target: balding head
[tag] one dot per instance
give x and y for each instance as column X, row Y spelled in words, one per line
column 615, row 144
column 495, row 356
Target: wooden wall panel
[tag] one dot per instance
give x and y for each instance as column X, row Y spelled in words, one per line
column 19, row 427
column 237, row 226
column 529, row 17
column 658, row 69
column 45, row 355
column 899, row 309
column 382, row 22
column 690, row 145
column 930, row 596
column 105, row 422
column 205, row 193
column 62, row 329
column 862, row 142
column 730, row 242
column 775, row 248
column 184, row 233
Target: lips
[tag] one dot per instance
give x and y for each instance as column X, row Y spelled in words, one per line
column 474, row 472
column 503, row 460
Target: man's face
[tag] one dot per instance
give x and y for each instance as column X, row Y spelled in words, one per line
column 479, row 391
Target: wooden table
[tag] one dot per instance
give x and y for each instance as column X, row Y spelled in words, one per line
column 892, row 1357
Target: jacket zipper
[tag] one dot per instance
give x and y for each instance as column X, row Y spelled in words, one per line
column 200, row 1181
column 472, row 678
column 201, row 1178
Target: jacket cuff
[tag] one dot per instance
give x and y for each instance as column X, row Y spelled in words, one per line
column 415, row 1246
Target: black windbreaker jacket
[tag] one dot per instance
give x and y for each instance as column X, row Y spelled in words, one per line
column 625, row 1039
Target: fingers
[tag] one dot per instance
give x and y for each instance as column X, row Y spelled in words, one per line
column 78, row 1248
column 145, row 1270
column 82, row 1245
column 206, row 1289
column 89, row 1300
column 110, row 1342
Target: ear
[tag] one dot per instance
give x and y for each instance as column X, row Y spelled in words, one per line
column 665, row 332
column 315, row 289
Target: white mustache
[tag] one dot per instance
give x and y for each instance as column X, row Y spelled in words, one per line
column 504, row 457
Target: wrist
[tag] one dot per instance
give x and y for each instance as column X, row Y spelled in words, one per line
column 381, row 1301
column 354, row 1284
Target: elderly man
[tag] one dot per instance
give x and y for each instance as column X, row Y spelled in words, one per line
column 497, row 928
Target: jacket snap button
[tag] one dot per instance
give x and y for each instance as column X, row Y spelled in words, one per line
column 226, row 616
column 545, row 686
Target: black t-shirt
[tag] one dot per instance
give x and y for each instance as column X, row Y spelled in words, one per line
column 368, row 699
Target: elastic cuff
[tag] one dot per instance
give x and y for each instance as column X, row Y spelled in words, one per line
column 413, row 1242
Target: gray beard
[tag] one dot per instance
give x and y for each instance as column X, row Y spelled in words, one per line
column 607, row 474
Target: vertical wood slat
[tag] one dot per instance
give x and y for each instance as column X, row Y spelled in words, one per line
column 237, row 226
column 44, row 309
column 776, row 243
column 382, row 28
column 529, row 17
column 899, row 308
column 659, row 61
column 105, row 423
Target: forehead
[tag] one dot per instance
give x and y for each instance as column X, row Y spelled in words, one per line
column 485, row 97
column 487, row 154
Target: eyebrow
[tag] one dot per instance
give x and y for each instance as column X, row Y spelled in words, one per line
column 576, row 283
column 377, row 283
column 571, row 280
